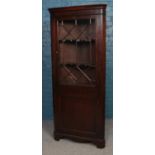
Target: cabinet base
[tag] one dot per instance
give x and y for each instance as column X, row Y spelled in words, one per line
column 100, row 143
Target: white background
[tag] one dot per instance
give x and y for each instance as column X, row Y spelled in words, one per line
column 21, row 77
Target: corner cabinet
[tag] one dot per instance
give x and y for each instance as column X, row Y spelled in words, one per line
column 78, row 71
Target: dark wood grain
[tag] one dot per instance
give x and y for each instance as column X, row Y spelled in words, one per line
column 79, row 110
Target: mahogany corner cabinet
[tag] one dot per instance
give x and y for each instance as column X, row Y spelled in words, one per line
column 78, row 54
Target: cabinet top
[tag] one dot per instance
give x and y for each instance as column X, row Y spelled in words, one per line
column 77, row 8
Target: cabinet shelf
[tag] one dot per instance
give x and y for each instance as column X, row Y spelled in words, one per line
column 84, row 65
column 76, row 22
column 76, row 41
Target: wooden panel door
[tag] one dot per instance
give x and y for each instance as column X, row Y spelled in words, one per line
column 76, row 73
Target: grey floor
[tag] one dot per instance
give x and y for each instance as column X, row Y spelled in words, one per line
column 67, row 147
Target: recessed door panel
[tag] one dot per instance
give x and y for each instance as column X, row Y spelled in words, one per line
column 78, row 113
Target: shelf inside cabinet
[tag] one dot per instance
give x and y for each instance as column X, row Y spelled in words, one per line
column 84, row 65
column 76, row 41
column 76, row 21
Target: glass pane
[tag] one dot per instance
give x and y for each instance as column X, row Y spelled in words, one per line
column 76, row 40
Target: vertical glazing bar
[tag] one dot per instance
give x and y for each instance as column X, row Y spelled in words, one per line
column 62, row 23
column 75, row 21
column 76, row 25
column 90, row 52
column 90, row 21
column 76, row 54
